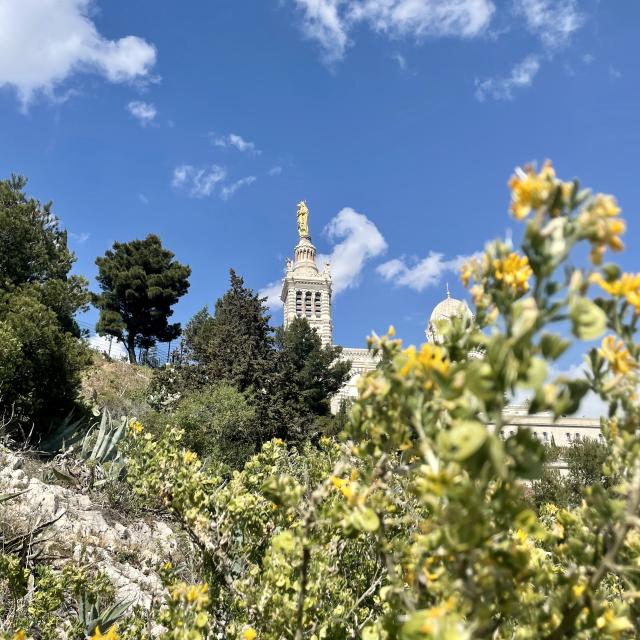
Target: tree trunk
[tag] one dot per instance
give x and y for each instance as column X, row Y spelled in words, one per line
column 131, row 349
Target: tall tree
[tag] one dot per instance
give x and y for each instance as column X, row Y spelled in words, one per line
column 41, row 356
column 236, row 343
column 140, row 282
column 308, row 375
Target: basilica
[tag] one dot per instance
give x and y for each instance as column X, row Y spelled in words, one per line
column 306, row 292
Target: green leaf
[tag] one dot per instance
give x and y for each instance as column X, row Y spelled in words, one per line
column 463, row 440
column 588, row 320
column 553, row 346
column 365, row 519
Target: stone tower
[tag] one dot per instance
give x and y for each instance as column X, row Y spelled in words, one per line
column 306, row 292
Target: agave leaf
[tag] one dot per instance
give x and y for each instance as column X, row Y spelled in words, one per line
column 105, row 426
column 10, row 496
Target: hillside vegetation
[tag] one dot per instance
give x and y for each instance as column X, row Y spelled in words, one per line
column 421, row 520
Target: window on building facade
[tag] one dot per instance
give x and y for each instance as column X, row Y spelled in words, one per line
column 307, row 304
column 298, row 303
column 318, row 305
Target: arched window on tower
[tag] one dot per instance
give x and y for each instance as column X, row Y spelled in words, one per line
column 307, row 304
column 298, row 303
column 318, row 306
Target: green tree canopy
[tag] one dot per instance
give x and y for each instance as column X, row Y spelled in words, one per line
column 140, row 282
column 236, row 343
column 308, row 375
column 41, row 355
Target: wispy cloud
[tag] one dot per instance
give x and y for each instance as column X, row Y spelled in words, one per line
column 143, row 198
column 614, row 73
column 521, row 76
column 229, row 190
column 275, row 171
column 401, row 60
column 144, row 112
column 45, row 43
column 237, row 142
column 331, row 22
column 553, row 21
column 356, row 241
column 79, row 238
column 198, row 182
column 420, row 274
column 272, row 293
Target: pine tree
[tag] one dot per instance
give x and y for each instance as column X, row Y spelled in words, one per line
column 308, row 375
column 140, row 282
column 236, row 343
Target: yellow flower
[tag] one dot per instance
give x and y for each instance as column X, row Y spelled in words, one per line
column 249, row 634
column 110, row 635
column 197, row 594
column 136, row 426
column 531, row 190
column 578, row 589
column 466, row 272
column 601, row 226
column 619, row 359
column 627, row 285
column 20, row 635
column 190, row 457
column 431, row 358
column 514, row 272
column 392, row 331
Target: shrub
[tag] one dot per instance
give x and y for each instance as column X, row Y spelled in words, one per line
column 218, row 422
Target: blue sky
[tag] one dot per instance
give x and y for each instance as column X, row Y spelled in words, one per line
column 399, row 121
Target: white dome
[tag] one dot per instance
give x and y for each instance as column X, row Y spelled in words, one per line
column 448, row 308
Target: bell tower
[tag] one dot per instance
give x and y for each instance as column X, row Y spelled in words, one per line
column 306, row 292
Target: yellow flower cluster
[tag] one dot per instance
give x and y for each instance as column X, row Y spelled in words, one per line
column 110, row 635
column 249, row 634
column 614, row 352
column 348, row 488
column 627, row 286
column 136, row 426
column 196, row 594
column 189, row 457
column 531, row 190
column 602, row 226
column 514, row 272
column 430, row 358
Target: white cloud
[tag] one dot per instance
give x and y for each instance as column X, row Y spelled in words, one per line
column 358, row 240
column 198, row 182
column 553, row 21
column 425, row 273
column 143, row 198
column 521, row 76
column 229, row 190
column 236, row 141
column 400, row 59
column 614, row 74
column 275, row 171
column 144, row 112
column 329, row 22
column 79, row 238
column 110, row 346
column 44, row 42
column 272, row 293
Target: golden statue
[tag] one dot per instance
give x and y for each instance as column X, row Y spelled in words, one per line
column 303, row 219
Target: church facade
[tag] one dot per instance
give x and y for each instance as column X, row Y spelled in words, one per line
column 306, row 292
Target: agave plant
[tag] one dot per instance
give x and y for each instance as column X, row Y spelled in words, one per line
column 92, row 617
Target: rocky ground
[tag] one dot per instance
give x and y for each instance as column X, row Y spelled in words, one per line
column 128, row 550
